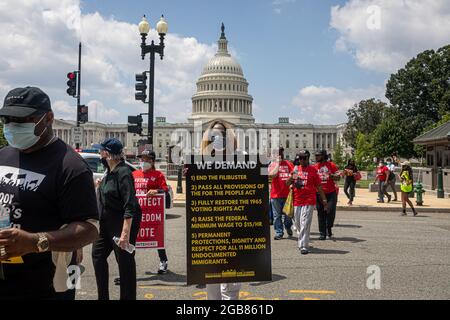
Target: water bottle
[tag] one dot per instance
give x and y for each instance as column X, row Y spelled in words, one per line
column 5, row 221
column 129, row 249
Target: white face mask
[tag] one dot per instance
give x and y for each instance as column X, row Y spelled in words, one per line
column 219, row 143
column 145, row 166
column 21, row 135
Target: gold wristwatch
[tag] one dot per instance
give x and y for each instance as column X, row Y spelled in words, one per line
column 43, row 244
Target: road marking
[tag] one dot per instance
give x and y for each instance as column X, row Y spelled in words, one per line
column 311, row 299
column 313, row 291
column 202, row 295
column 149, row 296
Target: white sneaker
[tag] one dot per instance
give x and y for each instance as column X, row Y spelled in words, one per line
column 163, row 265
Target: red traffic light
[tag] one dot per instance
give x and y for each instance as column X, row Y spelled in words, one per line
column 71, row 75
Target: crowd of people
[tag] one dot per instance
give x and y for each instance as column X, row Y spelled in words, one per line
column 55, row 208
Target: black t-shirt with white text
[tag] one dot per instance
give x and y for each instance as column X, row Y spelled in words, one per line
column 42, row 191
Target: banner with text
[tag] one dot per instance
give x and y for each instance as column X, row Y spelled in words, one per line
column 228, row 232
column 152, row 232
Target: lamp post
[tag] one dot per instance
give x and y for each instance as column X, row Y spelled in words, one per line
column 144, row 29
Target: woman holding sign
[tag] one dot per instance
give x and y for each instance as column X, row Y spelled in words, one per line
column 150, row 181
column 219, row 140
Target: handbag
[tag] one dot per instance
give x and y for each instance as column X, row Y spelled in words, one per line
column 358, row 176
column 288, row 208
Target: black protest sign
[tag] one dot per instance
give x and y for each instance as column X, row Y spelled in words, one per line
column 228, row 232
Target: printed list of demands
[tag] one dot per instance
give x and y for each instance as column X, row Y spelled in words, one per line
column 225, row 202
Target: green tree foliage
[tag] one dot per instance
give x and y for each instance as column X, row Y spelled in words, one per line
column 364, row 118
column 389, row 138
column 421, row 93
column 364, row 152
column 338, row 156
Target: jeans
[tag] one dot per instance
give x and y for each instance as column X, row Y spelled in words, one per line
column 277, row 209
column 350, row 183
column 326, row 218
column 382, row 191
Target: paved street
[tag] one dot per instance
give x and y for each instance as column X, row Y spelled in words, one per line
column 412, row 253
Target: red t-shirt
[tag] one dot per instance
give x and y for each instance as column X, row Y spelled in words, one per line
column 325, row 170
column 149, row 180
column 381, row 173
column 308, row 180
column 279, row 188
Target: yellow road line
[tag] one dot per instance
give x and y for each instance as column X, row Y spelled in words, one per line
column 311, row 299
column 313, row 291
column 149, row 296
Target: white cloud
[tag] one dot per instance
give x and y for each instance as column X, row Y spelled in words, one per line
column 279, row 4
column 328, row 105
column 40, row 45
column 99, row 112
column 383, row 35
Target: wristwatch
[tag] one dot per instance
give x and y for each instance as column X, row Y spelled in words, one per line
column 43, row 244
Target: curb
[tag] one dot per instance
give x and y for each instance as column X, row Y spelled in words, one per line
column 182, row 204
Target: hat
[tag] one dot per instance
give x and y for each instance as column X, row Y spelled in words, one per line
column 303, row 153
column 321, row 153
column 111, row 145
column 25, row 102
column 147, row 153
column 406, row 164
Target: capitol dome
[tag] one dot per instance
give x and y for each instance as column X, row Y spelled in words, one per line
column 222, row 90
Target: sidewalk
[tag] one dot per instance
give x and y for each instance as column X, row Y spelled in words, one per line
column 364, row 201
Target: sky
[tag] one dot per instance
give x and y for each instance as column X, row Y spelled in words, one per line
column 308, row 60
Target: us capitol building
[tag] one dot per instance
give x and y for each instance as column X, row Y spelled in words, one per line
column 222, row 93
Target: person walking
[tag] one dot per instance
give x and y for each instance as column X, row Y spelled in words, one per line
column 328, row 174
column 279, row 172
column 48, row 207
column 407, row 184
column 391, row 178
column 381, row 178
column 306, row 183
column 120, row 216
column 350, row 172
column 150, row 181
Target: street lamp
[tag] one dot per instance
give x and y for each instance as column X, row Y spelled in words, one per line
column 144, row 29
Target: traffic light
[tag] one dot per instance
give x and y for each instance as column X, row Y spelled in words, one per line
column 135, row 124
column 83, row 114
column 141, row 87
column 72, row 84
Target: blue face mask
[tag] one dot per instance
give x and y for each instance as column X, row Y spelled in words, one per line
column 21, row 135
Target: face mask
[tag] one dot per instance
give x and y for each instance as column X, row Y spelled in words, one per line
column 219, row 143
column 21, row 135
column 145, row 166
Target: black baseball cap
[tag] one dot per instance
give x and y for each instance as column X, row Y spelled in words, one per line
column 25, row 102
column 112, row 145
column 147, row 153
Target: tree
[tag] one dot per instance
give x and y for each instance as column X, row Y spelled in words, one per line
column 2, row 139
column 390, row 137
column 364, row 153
column 420, row 92
column 363, row 118
column 338, row 155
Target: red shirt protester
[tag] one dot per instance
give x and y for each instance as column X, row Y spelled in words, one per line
column 279, row 188
column 308, row 180
column 382, row 172
column 325, row 170
column 149, row 180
